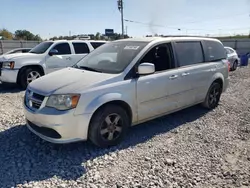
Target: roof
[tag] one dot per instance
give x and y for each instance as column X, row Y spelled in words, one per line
column 76, row 40
column 168, row 38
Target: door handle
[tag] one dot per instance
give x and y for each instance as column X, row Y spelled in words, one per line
column 185, row 74
column 213, row 69
column 68, row 58
column 173, row 77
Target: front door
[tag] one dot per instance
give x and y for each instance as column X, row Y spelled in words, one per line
column 60, row 60
column 159, row 93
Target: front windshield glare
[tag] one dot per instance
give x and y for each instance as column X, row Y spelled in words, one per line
column 41, row 48
column 111, row 57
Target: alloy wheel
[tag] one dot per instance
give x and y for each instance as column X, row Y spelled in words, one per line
column 33, row 75
column 214, row 96
column 111, row 127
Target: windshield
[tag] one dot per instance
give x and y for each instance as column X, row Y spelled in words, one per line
column 41, row 48
column 111, row 57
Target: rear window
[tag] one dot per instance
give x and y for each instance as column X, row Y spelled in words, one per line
column 189, row 53
column 214, row 51
column 81, row 48
column 97, row 44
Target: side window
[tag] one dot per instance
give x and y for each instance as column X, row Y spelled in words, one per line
column 18, row 51
column 25, row 50
column 161, row 56
column 96, row 44
column 189, row 53
column 63, row 49
column 81, row 48
column 214, row 51
column 228, row 51
column 231, row 51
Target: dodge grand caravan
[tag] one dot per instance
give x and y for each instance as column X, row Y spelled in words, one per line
column 124, row 83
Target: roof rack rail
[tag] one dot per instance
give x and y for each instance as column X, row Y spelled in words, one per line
column 182, row 36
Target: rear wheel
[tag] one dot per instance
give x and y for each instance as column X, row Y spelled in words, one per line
column 213, row 96
column 235, row 65
column 109, row 126
column 28, row 75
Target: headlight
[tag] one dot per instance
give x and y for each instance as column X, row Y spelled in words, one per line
column 9, row 64
column 63, row 102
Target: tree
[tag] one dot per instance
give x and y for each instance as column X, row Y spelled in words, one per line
column 6, row 34
column 26, row 35
column 97, row 36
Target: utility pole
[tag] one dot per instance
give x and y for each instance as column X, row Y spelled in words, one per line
column 120, row 8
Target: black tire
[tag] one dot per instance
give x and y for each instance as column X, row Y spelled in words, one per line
column 23, row 79
column 99, row 130
column 235, row 65
column 213, row 96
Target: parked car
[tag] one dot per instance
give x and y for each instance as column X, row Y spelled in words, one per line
column 124, row 83
column 18, row 50
column 45, row 58
column 233, row 58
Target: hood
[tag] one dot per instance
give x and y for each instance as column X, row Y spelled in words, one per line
column 69, row 80
column 19, row 56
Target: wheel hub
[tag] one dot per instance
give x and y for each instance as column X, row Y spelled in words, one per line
column 111, row 127
column 32, row 76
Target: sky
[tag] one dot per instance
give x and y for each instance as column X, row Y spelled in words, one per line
column 50, row 18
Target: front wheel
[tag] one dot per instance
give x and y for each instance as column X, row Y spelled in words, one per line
column 28, row 75
column 109, row 126
column 213, row 96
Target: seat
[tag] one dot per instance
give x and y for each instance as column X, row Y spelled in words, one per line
column 162, row 59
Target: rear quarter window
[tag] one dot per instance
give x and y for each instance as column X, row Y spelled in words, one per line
column 97, row 44
column 81, row 48
column 214, row 51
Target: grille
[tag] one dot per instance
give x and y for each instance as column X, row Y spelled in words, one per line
column 44, row 130
column 33, row 100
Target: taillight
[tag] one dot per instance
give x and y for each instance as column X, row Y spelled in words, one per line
column 228, row 64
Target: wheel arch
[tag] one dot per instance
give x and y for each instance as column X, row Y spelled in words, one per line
column 39, row 67
column 117, row 102
column 219, row 78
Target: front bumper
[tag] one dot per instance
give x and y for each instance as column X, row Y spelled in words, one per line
column 8, row 75
column 57, row 126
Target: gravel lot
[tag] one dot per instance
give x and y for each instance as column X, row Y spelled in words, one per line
column 191, row 148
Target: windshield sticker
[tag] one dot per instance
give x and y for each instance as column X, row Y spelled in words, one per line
column 131, row 47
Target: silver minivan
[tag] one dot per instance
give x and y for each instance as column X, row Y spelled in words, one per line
column 124, row 83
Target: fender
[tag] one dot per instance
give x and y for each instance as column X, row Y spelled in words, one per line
column 103, row 99
column 216, row 76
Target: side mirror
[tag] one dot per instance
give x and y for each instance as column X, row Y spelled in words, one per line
column 146, row 68
column 53, row 52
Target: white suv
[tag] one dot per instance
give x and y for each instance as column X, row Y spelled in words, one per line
column 45, row 58
column 124, row 83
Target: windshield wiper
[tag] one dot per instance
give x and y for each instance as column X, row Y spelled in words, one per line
column 89, row 68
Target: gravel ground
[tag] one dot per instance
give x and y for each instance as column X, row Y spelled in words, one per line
column 191, row 148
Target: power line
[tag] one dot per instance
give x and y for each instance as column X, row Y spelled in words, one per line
column 216, row 18
column 156, row 25
column 182, row 28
